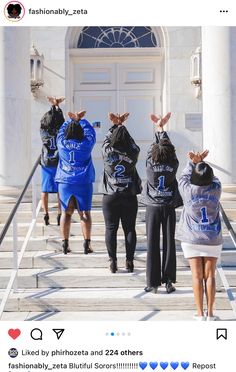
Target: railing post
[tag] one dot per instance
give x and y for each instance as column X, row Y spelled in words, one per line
column 34, row 197
column 15, row 251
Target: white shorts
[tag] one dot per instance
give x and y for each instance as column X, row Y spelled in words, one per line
column 197, row 250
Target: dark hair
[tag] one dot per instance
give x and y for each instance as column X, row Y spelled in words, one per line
column 17, row 7
column 120, row 139
column 52, row 120
column 74, row 131
column 163, row 152
column 202, row 174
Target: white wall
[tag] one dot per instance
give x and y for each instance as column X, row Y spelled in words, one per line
column 180, row 94
column 15, row 151
column 182, row 42
column 51, row 42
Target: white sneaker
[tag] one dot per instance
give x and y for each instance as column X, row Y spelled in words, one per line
column 212, row 318
column 200, row 318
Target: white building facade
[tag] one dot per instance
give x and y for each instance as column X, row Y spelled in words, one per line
column 189, row 71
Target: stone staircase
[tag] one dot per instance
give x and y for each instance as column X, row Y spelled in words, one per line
column 54, row 286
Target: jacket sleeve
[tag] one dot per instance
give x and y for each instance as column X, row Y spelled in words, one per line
column 184, row 180
column 89, row 132
column 61, row 133
column 106, row 144
column 217, row 186
column 45, row 136
column 158, row 137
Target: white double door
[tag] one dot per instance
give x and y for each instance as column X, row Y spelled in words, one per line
column 119, row 87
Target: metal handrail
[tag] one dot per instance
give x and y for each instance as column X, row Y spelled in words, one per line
column 220, row 270
column 228, row 225
column 14, row 210
column 12, row 218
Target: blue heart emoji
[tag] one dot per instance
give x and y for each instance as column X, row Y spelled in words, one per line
column 143, row 365
column 153, row 365
column 174, row 365
column 185, row 365
column 164, row 365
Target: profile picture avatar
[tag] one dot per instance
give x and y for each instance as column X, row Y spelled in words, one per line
column 14, row 11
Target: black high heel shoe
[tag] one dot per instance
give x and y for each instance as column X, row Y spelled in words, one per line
column 129, row 266
column 113, row 266
column 46, row 219
column 87, row 248
column 58, row 219
column 65, row 246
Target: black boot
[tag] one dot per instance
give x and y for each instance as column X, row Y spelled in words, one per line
column 58, row 219
column 113, row 266
column 65, row 246
column 87, row 248
column 46, row 219
column 129, row 265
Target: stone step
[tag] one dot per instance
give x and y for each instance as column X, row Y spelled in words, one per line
column 48, row 243
column 136, row 315
column 24, row 213
column 54, row 230
column 97, row 216
column 97, row 229
column 99, row 259
column 113, row 299
column 92, row 278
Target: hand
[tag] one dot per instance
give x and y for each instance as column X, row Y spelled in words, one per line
column 77, row 116
column 197, row 157
column 118, row 119
column 55, row 101
column 159, row 121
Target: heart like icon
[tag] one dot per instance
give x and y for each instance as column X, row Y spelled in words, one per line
column 164, row 365
column 143, row 365
column 153, row 365
column 174, row 365
column 185, row 365
column 14, row 333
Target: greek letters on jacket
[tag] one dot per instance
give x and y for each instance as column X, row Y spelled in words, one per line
column 161, row 187
column 200, row 221
column 75, row 160
column 120, row 174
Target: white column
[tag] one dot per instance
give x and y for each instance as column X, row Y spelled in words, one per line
column 15, row 126
column 219, row 119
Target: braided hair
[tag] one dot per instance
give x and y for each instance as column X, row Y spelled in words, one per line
column 52, row 120
column 74, row 131
column 121, row 139
column 202, row 174
column 163, row 152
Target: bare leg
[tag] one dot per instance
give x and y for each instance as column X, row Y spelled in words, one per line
column 66, row 220
column 59, row 210
column 86, row 224
column 58, row 204
column 210, row 283
column 44, row 197
column 196, row 265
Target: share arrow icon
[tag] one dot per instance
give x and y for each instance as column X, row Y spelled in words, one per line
column 59, row 332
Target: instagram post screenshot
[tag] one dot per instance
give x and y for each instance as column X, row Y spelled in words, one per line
column 117, row 186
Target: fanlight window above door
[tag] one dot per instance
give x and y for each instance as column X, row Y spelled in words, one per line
column 117, row 37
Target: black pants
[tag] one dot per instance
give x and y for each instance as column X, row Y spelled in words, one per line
column 157, row 273
column 118, row 207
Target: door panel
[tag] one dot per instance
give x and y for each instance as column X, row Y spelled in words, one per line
column 135, row 87
column 140, row 105
column 97, row 105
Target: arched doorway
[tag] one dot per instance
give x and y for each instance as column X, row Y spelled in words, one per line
column 117, row 69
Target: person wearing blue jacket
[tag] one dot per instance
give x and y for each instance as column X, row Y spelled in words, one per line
column 75, row 175
column 49, row 127
column 199, row 229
